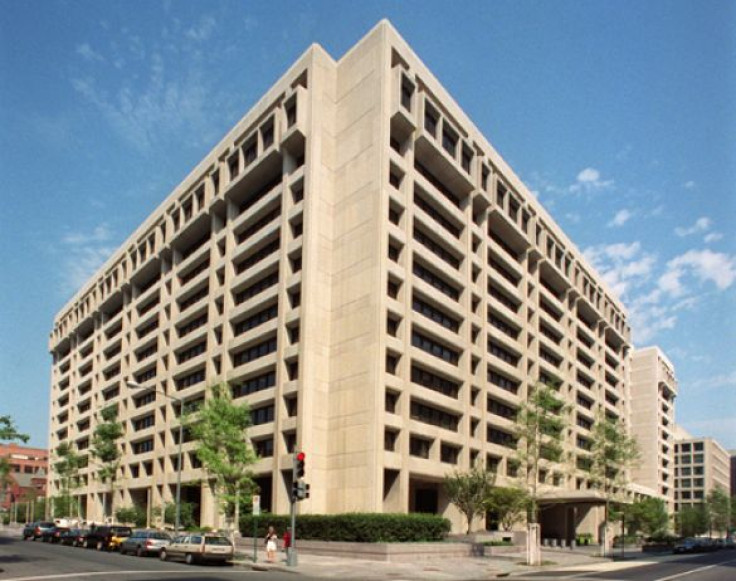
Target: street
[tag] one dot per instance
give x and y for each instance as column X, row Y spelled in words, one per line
column 719, row 566
column 36, row 561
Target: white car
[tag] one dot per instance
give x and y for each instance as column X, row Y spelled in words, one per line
column 198, row 548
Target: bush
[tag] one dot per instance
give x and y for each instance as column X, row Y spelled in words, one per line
column 355, row 527
column 584, row 539
column 132, row 514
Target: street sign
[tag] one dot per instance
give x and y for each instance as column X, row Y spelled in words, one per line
column 256, row 505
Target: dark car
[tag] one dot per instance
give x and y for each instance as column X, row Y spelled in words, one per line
column 145, row 543
column 106, row 538
column 74, row 537
column 53, row 535
column 34, row 530
column 688, row 545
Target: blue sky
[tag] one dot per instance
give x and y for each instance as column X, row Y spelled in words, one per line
column 618, row 115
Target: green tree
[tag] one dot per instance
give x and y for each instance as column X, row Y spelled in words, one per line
column 8, row 431
column 613, row 453
column 105, row 449
column 718, row 506
column 540, row 429
column 186, row 514
column 67, row 467
column 648, row 516
column 692, row 521
column 469, row 491
column 219, row 428
column 510, row 505
column 135, row 515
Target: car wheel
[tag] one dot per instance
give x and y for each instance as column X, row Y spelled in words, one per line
column 162, row 555
column 189, row 559
column 139, row 552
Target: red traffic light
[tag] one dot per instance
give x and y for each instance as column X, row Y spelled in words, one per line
column 301, row 456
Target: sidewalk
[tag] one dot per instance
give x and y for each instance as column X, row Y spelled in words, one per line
column 323, row 567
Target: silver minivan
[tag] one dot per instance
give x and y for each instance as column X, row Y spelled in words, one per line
column 198, row 548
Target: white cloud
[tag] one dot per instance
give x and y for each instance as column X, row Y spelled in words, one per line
column 689, row 185
column 88, row 53
column 622, row 266
column 712, row 237
column 589, row 181
column 82, row 255
column 621, row 217
column 706, row 265
column 203, row 30
column 701, row 225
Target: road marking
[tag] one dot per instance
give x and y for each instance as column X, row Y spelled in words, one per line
column 698, row 570
column 100, row 573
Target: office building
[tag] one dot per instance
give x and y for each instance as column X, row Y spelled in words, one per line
column 360, row 265
column 653, row 392
column 701, row 465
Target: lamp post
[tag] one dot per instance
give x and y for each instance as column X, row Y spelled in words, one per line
column 134, row 385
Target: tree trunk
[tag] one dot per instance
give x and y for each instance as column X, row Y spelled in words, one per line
column 236, row 528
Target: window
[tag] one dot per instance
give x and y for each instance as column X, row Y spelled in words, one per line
column 259, row 225
column 435, row 281
column 496, row 436
column 419, row 447
column 504, row 355
column 143, row 446
column 434, row 382
column 449, row 141
column 257, row 288
column 187, row 328
column 503, row 382
column 255, row 352
column 449, row 454
column 407, row 90
column 190, row 379
column 436, row 249
column 192, row 352
column 254, row 384
column 389, row 440
column 144, row 422
column 431, row 118
column 434, row 348
column 258, row 256
column 262, row 415
column 256, row 320
column 433, row 416
column 264, row 448
column 392, row 399
column 435, row 315
column 498, row 408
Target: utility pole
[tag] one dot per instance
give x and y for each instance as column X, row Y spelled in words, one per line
column 299, row 491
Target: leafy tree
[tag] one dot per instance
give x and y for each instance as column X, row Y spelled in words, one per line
column 220, row 429
column 8, row 431
column 540, row 429
column 510, row 504
column 105, row 449
column 67, row 467
column 718, row 506
column 613, row 453
column 648, row 516
column 186, row 514
column 692, row 521
column 135, row 514
column 469, row 491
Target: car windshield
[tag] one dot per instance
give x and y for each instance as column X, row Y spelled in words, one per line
column 216, row 541
column 162, row 536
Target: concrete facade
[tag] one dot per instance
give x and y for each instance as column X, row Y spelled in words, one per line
column 701, row 465
column 653, row 393
column 366, row 271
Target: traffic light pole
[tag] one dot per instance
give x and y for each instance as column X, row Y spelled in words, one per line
column 291, row 558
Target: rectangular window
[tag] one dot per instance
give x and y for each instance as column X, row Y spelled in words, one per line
column 262, row 415
column 419, row 447
column 434, row 382
column 434, row 348
column 433, row 416
column 256, row 320
column 255, row 352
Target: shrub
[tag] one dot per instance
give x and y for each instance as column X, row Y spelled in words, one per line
column 355, row 527
column 132, row 514
column 584, row 539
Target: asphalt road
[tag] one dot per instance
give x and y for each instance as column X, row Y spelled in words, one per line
column 37, row 561
column 719, row 566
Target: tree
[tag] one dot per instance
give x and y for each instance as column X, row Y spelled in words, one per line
column 648, row 516
column 540, row 429
column 136, row 515
column 718, row 506
column 8, row 431
column 469, row 491
column 613, row 453
column 105, row 449
column 186, row 514
column 692, row 521
column 67, row 467
column 219, row 428
column 510, row 505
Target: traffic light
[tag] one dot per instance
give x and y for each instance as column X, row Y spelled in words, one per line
column 299, row 461
column 299, row 491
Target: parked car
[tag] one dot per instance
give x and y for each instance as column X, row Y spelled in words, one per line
column 106, row 537
column 53, row 535
column 144, row 542
column 198, row 548
column 34, row 530
column 74, row 537
column 707, row 545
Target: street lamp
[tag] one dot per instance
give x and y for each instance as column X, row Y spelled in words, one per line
column 135, row 385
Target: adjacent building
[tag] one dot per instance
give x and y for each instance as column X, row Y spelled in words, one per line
column 363, row 268
column 653, row 392
column 733, row 472
column 701, row 465
column 28, row 468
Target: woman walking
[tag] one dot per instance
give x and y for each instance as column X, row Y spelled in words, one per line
column 271, row 544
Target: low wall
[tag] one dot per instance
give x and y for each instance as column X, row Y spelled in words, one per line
column 388, row 552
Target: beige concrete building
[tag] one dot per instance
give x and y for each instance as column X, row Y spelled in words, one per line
column 653, row 392
column 366, row 271
column 701, row 465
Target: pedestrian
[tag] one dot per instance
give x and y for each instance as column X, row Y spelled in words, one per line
column 287, row 539
column 271, row 544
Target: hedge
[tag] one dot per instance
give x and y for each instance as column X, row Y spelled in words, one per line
column 354, row 527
